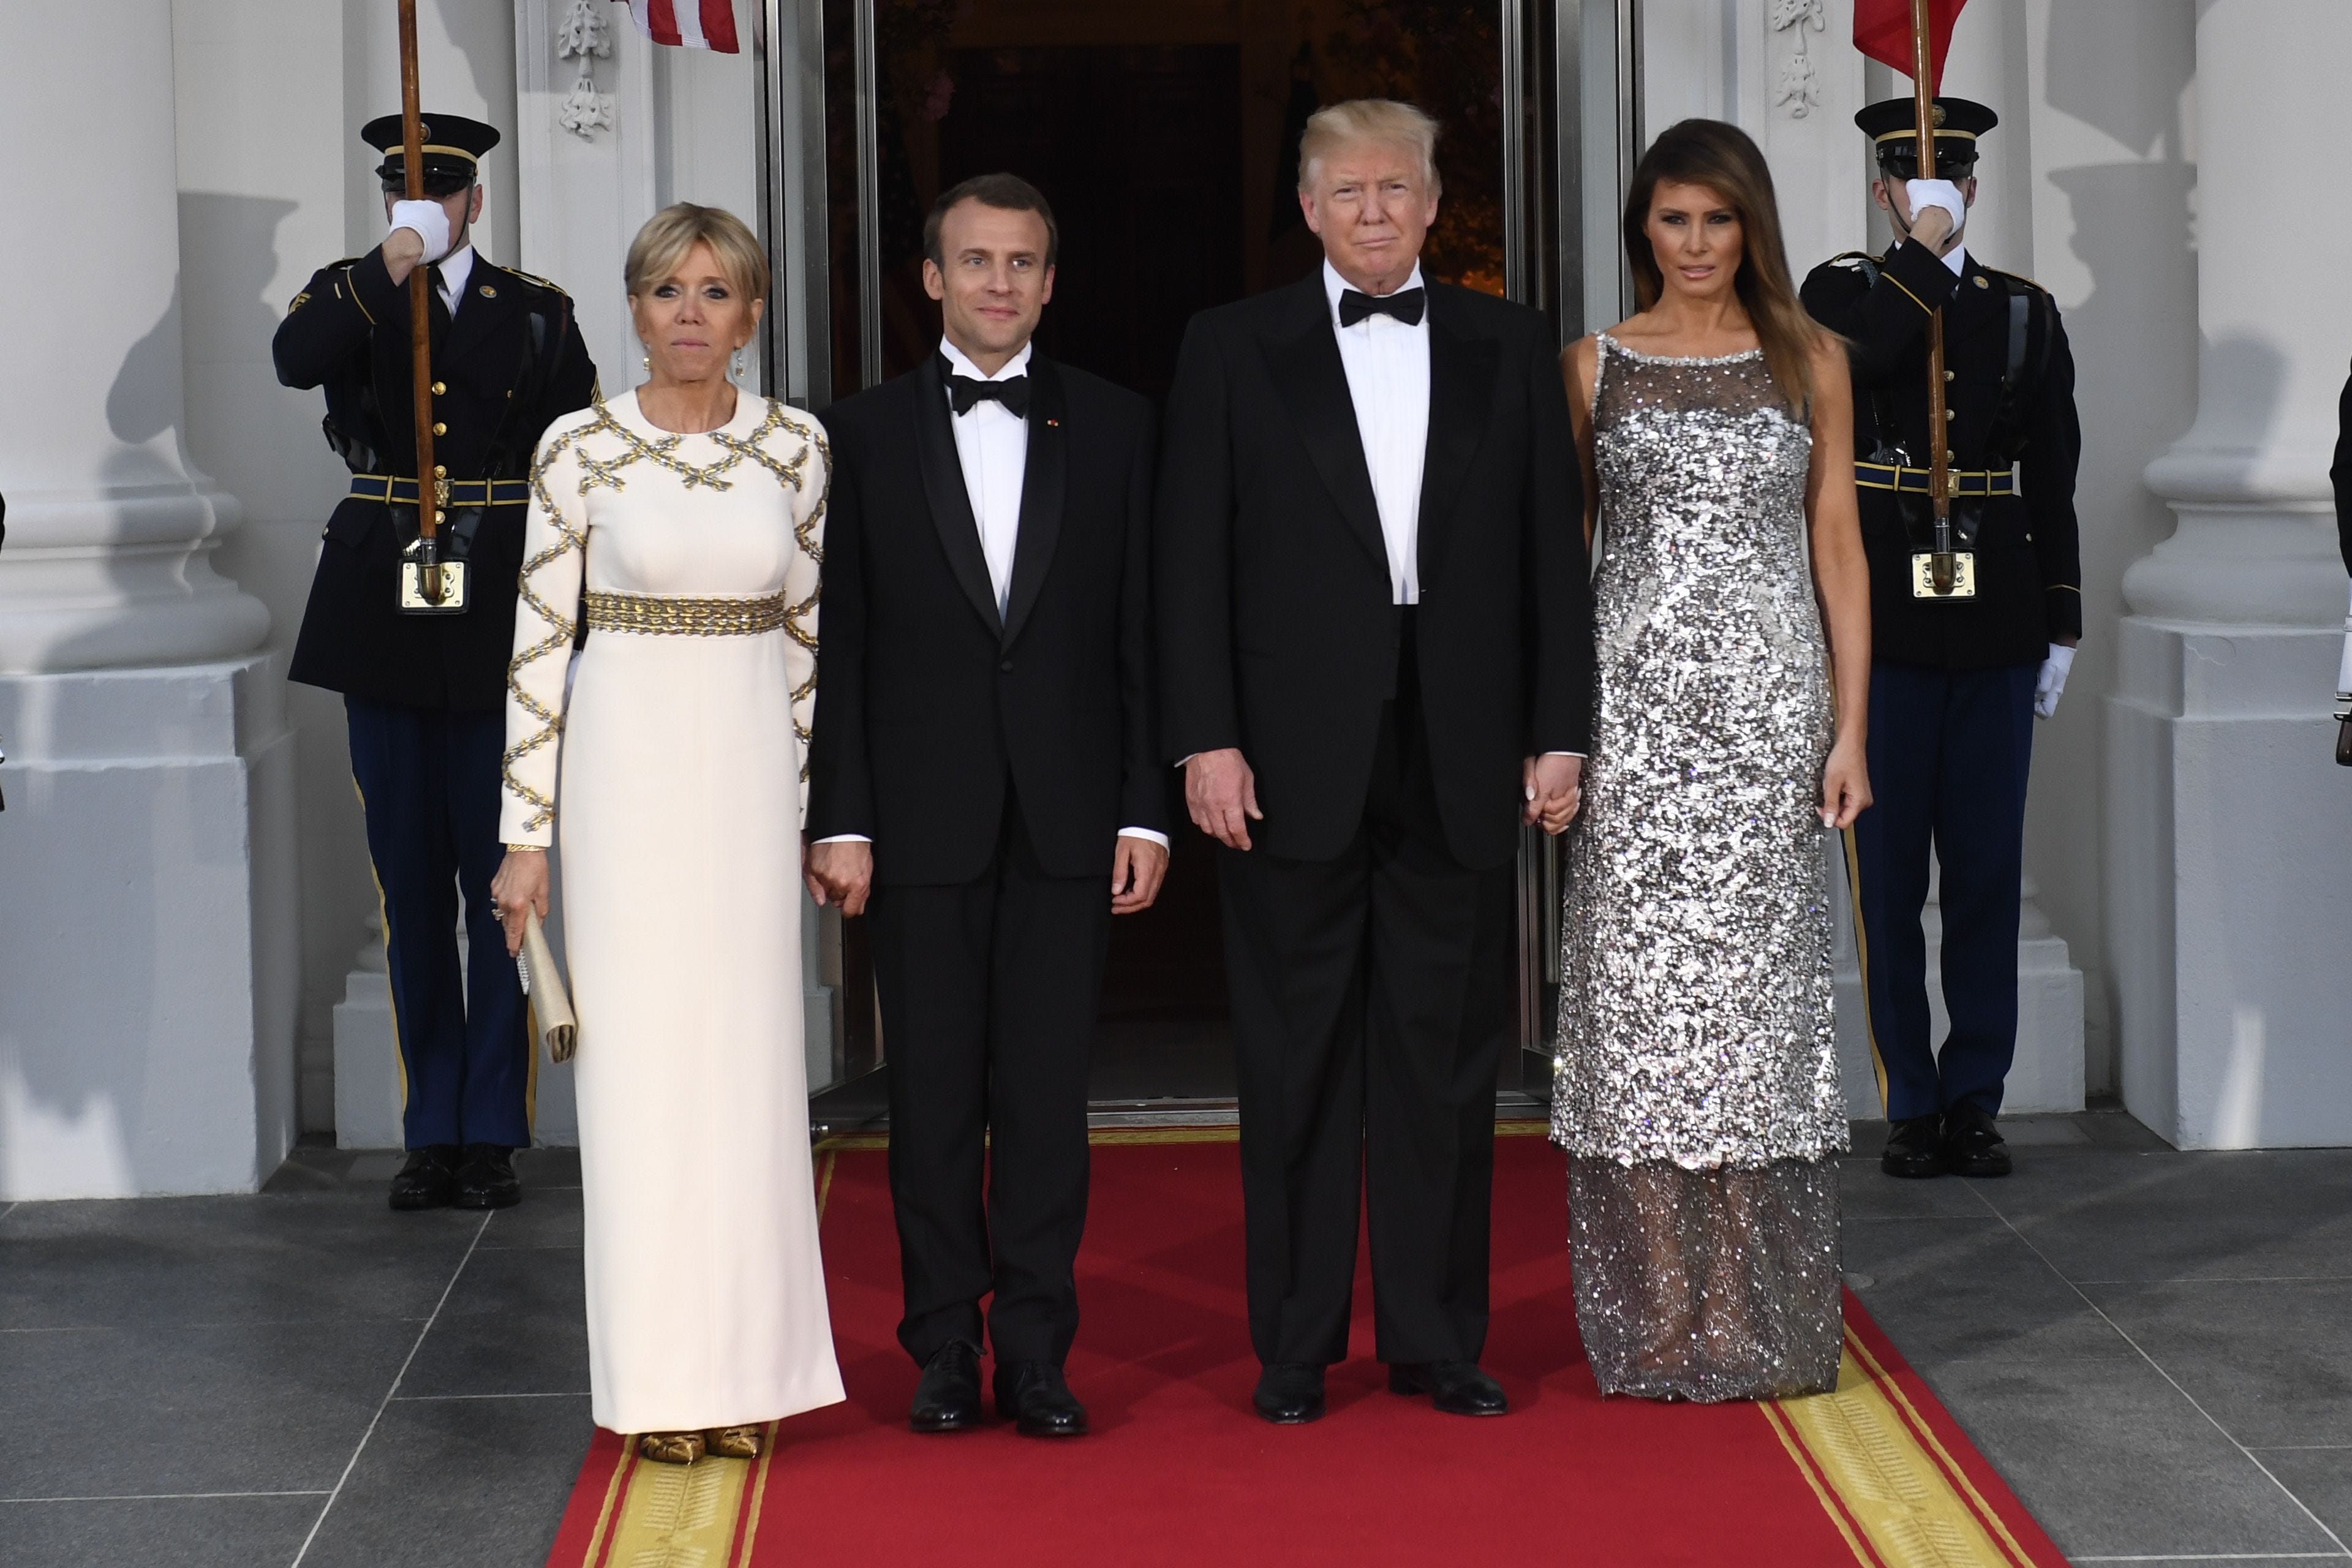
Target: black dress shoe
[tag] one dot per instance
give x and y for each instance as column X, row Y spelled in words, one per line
column 429, row 1179
column 947, row 1398
column 487, row 1179
column 1972, row 1144
column 1914, row 1147
column 1032, row 1395
column 1289, row 1393
column 1456, row 1387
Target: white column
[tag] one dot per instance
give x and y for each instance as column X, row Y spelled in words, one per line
column 147, row 969
column 2229, row 872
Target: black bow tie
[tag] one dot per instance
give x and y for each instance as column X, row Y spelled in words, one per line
column 964, row 392
column 1405, row 306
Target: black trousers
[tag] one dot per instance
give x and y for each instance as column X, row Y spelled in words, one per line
column 428, row 783
column 1371, row 995
column 989, row 991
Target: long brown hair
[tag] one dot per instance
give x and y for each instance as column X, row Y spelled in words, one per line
column 1722, row 158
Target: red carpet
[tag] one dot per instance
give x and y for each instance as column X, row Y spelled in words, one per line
column 1179, row 1471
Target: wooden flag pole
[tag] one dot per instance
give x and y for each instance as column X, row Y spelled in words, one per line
column 429, row 491
column 1939, row 446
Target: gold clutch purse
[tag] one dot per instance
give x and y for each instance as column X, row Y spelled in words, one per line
column 542, row 984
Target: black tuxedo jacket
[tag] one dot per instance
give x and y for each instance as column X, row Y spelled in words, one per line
column 1278, row 630
column 927, row 703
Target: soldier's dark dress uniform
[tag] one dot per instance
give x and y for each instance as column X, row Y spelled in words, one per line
column 1952, row 680
column 425, row 694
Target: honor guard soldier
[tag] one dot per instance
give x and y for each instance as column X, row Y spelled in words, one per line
column 1965, row 652
column 424, row 680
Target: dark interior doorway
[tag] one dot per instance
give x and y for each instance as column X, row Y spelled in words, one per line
column 1166, row 137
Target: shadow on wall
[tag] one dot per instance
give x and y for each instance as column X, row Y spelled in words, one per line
column 77, row 1064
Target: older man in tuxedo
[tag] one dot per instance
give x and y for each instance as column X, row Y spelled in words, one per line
column 1375, row 663
column 982, row 766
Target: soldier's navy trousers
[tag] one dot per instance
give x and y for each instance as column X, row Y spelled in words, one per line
column 429, row 782
column 1949, row 750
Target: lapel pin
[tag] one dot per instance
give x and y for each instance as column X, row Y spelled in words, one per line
column 1055, row 423
column 489, row 292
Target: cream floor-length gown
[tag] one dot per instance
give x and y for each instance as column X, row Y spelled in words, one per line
column 674, row 771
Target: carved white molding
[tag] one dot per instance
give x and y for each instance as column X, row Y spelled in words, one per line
column 1799, row 88
column 585, row 36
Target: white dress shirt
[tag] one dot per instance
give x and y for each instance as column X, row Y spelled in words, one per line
column 455, row 267
column 992, row 448
column 993, row 445
column 1957, row 258
column 1388, row 380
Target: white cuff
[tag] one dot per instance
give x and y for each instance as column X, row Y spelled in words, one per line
column 1578, row 754
column 1159, row 838
column 847, row 838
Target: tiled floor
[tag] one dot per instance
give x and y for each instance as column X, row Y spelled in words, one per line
column 2153, row 1347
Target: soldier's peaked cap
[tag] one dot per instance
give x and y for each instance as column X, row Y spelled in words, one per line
column 1893, row 125
column 454, row 147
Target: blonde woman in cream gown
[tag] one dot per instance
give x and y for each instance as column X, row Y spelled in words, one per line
column 672, row 771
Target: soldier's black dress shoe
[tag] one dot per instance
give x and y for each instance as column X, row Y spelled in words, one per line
column 1456, row 1387
column 1032, row 1395
column 1914, row 1147
column 1972, row 1144
column 947, row 1398
column 428, row 1180
column 1289, row 1393
column 487, row 1179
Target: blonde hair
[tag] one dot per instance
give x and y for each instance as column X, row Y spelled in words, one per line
column 1366, row 119
column 677, row 228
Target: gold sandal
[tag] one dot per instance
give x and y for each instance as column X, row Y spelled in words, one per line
column 733, row 1442
column 671, row 1447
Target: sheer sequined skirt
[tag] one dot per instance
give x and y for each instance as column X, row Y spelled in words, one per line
column 1708, row 1284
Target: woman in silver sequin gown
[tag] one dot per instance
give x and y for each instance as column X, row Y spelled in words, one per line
column 1696, row 1089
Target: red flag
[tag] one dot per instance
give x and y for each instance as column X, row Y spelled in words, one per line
column 1882, row 30
column 693, row 24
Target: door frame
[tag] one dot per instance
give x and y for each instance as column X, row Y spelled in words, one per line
column 1564, row 175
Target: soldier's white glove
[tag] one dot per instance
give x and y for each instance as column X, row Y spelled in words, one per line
column 2052, row 682
column 431, row 222
column 1925, row 194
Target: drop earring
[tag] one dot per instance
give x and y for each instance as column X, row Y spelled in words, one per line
column 646, row 361
column 735, row 364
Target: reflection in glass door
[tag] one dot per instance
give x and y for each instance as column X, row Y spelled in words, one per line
column 1166, row 136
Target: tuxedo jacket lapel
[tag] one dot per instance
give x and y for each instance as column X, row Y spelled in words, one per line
column 1303, row 361
column 1042, row 480
column 950, row 503
column 1461, row 397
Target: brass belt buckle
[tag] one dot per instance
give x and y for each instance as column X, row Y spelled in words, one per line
column 1964, row 575
column 454, row 583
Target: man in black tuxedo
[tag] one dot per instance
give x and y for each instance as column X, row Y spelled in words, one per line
column 1376, row 662
column 983, row 761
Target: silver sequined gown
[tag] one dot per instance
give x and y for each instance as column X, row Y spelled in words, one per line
column 1696, row 1087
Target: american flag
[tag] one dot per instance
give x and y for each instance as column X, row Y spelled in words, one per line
column 695, row 24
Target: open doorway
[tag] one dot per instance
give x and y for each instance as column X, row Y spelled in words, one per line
column 1166, row 137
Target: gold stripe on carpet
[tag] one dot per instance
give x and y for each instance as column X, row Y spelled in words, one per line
column 1871, row 1459
column 684, row 1516
column 1105, row 1137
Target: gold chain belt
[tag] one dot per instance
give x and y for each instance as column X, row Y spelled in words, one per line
column 664, row 616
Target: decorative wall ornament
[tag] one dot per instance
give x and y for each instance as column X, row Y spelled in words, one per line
column 1799, row 87
column 584, row 35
